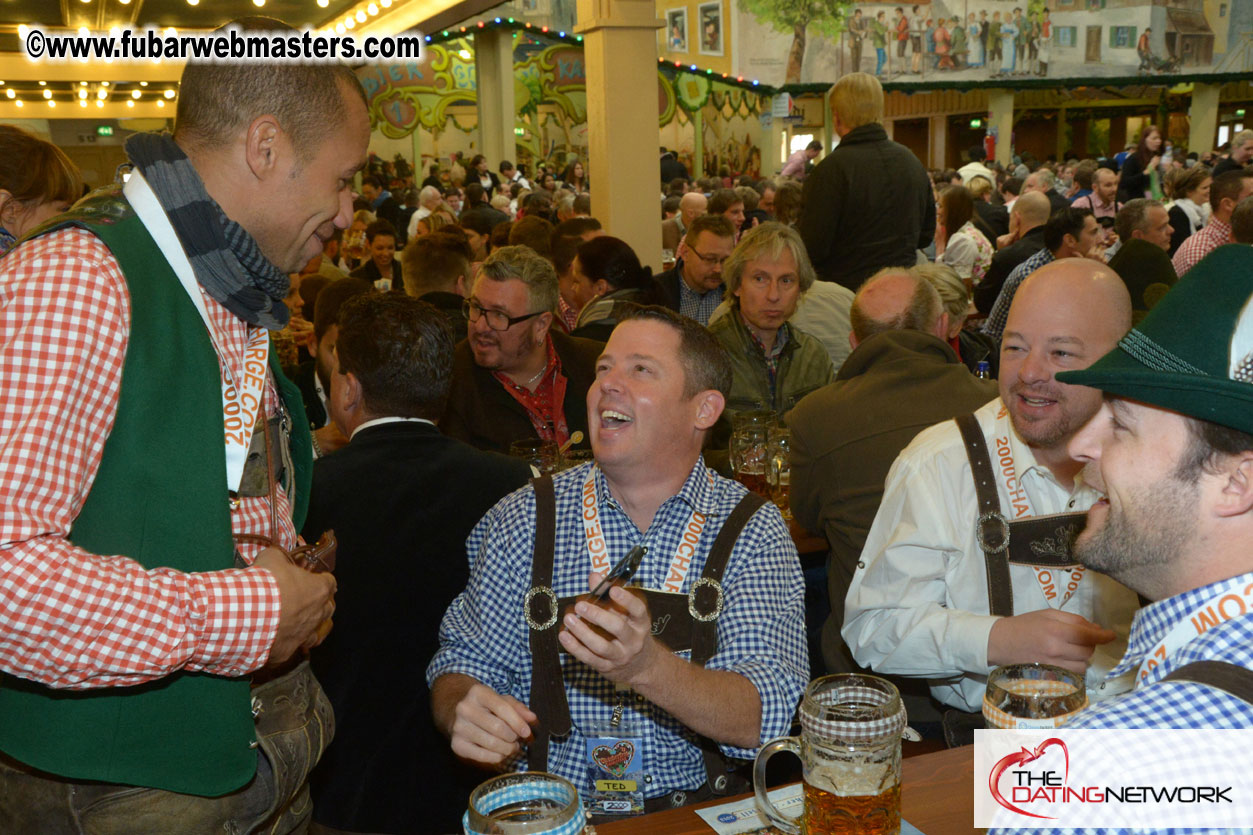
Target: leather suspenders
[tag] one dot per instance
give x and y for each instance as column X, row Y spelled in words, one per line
column 687, row 621
column 1044, row 541
column 1221, row 675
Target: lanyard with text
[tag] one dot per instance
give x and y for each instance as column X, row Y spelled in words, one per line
column 1230, row 601
column 1020, row 506
column 241, row 403
column 597, row 550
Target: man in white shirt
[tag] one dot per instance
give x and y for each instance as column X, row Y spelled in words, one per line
column 976, row 168
column 429, row 199
column 921, row 601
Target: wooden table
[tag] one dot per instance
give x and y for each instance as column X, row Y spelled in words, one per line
column 937, row 796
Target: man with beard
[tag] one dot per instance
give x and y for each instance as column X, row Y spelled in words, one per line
column 514, row 378
column 959, row 575
column 1172, row 450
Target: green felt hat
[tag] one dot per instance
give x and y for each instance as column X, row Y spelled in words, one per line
column 1193, row 352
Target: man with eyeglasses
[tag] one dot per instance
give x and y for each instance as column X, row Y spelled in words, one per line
column 694, row 286
column 514, row 377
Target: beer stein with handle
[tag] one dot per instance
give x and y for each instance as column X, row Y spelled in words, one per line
column 850, row 748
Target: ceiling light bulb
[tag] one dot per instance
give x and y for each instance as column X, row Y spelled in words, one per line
column 169, row 94
column 99, row 103
column 47, row 94
column 387, row 4
column 339, row 28
column 22, row 29
column 51, row 103
column 350, row 23
column 102, row 94
column 465, row 54
column 193, row 2
column 258, row 3
column 324, row 3
column 43, row 84
column 130, row 103
column 104, row 84
column 80, row 84
column 143, row 84
column 125, row 2
column 84, row 31
column 135, row 94
column 10, row 93
column 82, row 103
column 82, row 94
column 160, row 102
column 360, row 16
column 372, row 10
column 19, row 103
column 171, row 31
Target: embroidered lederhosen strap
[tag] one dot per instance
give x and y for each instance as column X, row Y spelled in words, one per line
column 1040, row 541
column 1221, row 675
column 679, row 621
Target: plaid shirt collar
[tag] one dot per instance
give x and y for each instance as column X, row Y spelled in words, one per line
column 1152, row 622
column 697, row 492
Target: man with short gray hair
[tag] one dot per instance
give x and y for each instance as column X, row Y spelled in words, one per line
column 429, row 199
column 901, row 377
column 514, row 376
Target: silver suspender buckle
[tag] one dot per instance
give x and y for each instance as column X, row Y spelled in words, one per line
column 984, row 527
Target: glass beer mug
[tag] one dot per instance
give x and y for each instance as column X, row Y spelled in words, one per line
column 850, row 748
column 750, row 438
column 529, row 803
column 1038, row 696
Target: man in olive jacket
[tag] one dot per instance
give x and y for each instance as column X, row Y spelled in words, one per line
column 869, row 204
column 901, row 377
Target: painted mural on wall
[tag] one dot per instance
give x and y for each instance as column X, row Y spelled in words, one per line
column 815, row 41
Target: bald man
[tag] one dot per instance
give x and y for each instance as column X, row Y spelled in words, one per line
column 691, row 206
column 1026, row 237
column 958, row 578
column 901, row 377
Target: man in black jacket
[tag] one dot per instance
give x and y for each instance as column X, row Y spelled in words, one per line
column 515, row 377
column 401, row 498
column 1026, row 229
column 869, row 204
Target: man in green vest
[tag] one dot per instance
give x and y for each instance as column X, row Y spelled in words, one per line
column 156, row 470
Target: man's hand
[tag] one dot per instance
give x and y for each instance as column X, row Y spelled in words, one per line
column 487, row 727
column 330, row 438
column 1046, row 636
column 629, row 649
column 306, row 601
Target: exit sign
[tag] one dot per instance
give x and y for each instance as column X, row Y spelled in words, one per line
column 104, row 130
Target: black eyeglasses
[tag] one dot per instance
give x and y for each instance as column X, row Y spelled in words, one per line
column 711, row 260
column 497, row 320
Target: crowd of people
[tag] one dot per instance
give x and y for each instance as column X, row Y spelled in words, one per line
column 155, row 631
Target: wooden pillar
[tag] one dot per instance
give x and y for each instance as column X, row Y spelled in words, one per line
column 1203, row 118
column 1001, row 117
column 493, row 71
column 937, row 141
column 620, row 49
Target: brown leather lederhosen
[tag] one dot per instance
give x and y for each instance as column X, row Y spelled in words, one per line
column 679, row 621
column 1044, row 541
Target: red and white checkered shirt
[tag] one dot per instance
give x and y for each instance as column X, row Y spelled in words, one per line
column 1201, row 243
column 69, row 618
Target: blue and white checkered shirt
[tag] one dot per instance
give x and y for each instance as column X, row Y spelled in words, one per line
column 995, row 325
column 760, row 631
column 698, row 306
column 1175, row 704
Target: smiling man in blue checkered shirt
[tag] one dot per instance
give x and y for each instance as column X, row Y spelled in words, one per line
column 1172, row 448
column 660, row 386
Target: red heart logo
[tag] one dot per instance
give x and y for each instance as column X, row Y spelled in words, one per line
column 614, row 760
column 1023, row 757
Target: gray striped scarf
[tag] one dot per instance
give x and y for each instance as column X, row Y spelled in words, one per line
column 227, row 261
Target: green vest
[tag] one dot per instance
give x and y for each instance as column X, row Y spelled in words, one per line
column 160, row 498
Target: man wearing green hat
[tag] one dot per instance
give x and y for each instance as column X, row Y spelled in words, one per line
column 1172, row 449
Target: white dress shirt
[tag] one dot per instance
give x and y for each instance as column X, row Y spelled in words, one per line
column 918, row 603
